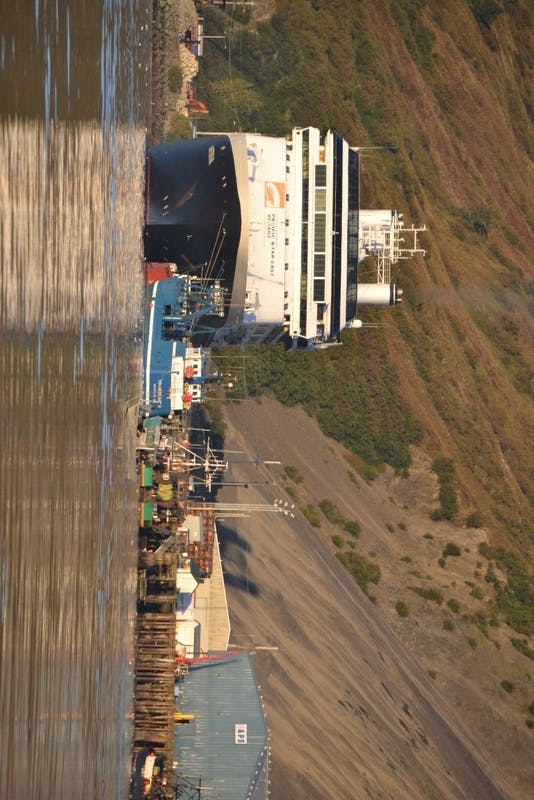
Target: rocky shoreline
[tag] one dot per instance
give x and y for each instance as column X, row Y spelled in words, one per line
column 170, row 20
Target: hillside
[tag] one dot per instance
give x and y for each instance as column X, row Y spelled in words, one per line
column 432, row 402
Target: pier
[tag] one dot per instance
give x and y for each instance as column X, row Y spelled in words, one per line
column 176, row 544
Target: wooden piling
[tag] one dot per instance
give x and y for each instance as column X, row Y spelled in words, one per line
column 154, row 682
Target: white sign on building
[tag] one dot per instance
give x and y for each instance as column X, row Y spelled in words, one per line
column 240, row 733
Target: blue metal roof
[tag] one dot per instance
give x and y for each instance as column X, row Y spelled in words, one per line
column 222, row 696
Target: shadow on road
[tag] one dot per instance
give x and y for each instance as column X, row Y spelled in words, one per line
column 229, row 538
column 234, row 555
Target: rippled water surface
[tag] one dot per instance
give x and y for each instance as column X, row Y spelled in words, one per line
column 73, row 105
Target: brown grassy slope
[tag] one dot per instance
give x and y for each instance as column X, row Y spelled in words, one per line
column 466, row 133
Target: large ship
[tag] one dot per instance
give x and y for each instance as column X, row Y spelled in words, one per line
column 276, row 224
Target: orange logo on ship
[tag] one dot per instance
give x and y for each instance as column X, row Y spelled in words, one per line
column 275, row 194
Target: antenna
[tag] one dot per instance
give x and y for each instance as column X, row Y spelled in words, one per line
column 380, row 236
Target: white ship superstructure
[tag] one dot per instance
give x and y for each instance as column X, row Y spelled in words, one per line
column 277, row 222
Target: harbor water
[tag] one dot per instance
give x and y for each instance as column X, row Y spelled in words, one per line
column 74, row 104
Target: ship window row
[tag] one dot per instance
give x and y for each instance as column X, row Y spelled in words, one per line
column 354, row 182
column 320, row 174
column 336, row 282
column 320, row 233
column 305, row 199
column 305, row 154
column 304, row 233
column 303, row 277
column 318, row 290
column 320, row 199
column 319, row 261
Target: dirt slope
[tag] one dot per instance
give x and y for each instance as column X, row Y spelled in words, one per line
column 351, row 707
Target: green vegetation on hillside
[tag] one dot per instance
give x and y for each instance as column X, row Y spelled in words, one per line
column 402, row 608
column 179, row 127
column 362, row 569
column 428, row 594
column 174, row 78
column 334, row 516
column 352, row 393
column 514, row 598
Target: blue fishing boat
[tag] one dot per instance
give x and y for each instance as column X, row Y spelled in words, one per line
column 180, row 313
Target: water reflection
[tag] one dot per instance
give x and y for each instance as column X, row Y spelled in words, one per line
column 72, row 138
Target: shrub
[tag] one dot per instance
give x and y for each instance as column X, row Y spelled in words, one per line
column 352, row 476
column 427, row 594
column 474, row 520
column 530, row 709
column 511, row 236
column 174, row 78
column 442, row 562
column 362, row 570
column 515, row 599
column 472, row 643
column 368, row 472
column 479, row 218
column 522, row 646
column 338, row 540
column 454, row 605
column 179, row 128
column 448, row 625
column 529, row 723
column 390, row 527
column 428, row 536
column 477, row 593
column 353, row 527
column 507, row 686
column 407, row 559
column 485, row 11
column 293, row 474
column 331, row 512
column 328, row 509
column 494, row 619
column 444, row 469
column 310, row 512
column 451, row 549
column 212, row 416
column 402, row 526
column 491, row 577
column 291, row 492
column 401, row 608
